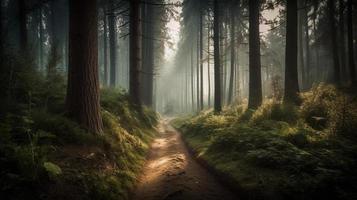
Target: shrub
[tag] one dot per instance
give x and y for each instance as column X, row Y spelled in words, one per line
column 326, row 107
column 316, row 105
column 272, row 110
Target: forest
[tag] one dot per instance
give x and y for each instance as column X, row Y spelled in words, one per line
column 178, row 99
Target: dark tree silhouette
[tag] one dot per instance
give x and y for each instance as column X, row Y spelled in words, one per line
column 351, row 59
column 83, row 85
column 342, row 38
column 233, row 51
column 255, row 82
column 334, row 46
column 201, row 57
column 209, row 62
column 105, row 45
column 2, row 35
column 112, row 44
column 22, row 15
column 291, row 71
column 135, row 51
column 217, row 62
column 148, row 54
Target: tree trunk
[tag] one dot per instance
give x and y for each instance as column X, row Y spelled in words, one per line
column 201, row 59
column 317, row 54
column 135, row 51
column 150, row 56
column 291, row 71
column 342, row 39
column 23, row 25
column 233, row 56
column 192, row 81
column 255, row 82
column 209, row 63
column 307, row 46
column 198, row 68
column 83, row 83
column 351, row 59
column 300, row 29
column 217, row 64
column 54, row 41
column 41, row 37
column 112, row 46
column 105, row 46
column 2, row 35
column 334, row 46
column 224, row 50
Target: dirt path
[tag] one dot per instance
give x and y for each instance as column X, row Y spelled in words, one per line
column 172, row 173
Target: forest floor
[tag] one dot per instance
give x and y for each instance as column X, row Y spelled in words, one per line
column 172, row 173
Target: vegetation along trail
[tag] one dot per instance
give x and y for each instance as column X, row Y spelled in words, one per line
column 172, row 173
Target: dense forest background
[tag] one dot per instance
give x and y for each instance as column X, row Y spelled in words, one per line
column 263, row 91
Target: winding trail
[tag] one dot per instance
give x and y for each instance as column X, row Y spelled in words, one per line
column 171, row 173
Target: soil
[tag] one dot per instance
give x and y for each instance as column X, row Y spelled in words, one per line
column 171, row 172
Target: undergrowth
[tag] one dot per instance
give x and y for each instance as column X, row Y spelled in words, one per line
column 282, row 151
column 45, row 155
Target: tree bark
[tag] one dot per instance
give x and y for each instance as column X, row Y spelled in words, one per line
column 2, row 35
column 342, row 39
column 148, row 53
column 209, row 63
column 291, row 72
column 300, row 29
column 307, row 46
column 135, row 52
column 22, row 24
column 334, row 46
column 150, row 56
column 83, row 83
column 112, row 46
column 317, row 54
column 105, row 46
column 201, row 59
column 255, row 82
column 54, row 41
column 233, row 56
column 198, row 68
column 192, row 81
column 41, row 37
column 217, row 64
column 351, row 59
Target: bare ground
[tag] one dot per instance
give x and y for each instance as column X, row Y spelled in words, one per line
column 171, row 173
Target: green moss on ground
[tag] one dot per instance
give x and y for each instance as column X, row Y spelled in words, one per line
column 280, row 151
column 44, row 155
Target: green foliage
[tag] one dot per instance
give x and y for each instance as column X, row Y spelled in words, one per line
column 272, row 110
column 316, row 105
column 52, row 169
column 118, row 102
column 275, row 152
column 45, row 155
column 325, row 107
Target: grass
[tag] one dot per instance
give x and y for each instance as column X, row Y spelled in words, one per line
column 45, row 155
column 275, row 152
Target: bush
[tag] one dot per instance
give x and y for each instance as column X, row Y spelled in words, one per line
column 117, row 102
column 279, row 151
column 272, row 110
column 45, row 155
column 326, row 107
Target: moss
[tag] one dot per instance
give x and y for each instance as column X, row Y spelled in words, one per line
column 49, row 156
column 275, row 153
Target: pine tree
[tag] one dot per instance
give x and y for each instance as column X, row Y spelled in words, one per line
column 255, row 83
column 291, row 71
column 82, row 99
